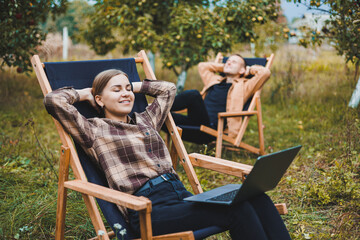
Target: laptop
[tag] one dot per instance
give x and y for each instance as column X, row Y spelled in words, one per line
column 265, row 175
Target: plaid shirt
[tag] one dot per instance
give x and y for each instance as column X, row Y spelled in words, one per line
column 129, row 153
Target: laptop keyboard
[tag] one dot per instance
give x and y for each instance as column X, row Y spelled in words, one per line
column 225, row 197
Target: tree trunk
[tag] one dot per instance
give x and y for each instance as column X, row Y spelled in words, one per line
column 252, row 49
column 181, row 80
column 355, row 98
column 356, row 70
column 151, row 57
column 65, row 43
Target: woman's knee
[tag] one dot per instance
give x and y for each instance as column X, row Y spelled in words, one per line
column 262, row 199
column 242, row 209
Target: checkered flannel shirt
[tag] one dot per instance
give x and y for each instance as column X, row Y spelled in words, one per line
column 129, row 153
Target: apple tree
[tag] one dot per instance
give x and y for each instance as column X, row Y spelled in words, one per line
column 183, row 32
column 73, row 18
column 191, row 36
column 20, row 29
column 342, row 29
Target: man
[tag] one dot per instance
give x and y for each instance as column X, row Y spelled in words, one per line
column 220, row 93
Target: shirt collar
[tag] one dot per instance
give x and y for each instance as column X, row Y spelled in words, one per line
column 239, row 79
column 131, row 120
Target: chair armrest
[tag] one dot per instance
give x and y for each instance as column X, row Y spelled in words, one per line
column 181, row 111
column 237, row 114
column 220, row 165
column 110, row 195
column 214, row 133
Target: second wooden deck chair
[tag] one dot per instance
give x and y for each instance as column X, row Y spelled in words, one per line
column 91, row 182
column 251, row 107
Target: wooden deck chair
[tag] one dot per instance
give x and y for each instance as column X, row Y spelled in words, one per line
column 251, row 107
column 90, row 182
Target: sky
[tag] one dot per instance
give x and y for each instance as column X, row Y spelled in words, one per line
column 292, row 10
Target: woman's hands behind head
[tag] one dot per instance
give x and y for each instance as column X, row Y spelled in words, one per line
column 86, row 95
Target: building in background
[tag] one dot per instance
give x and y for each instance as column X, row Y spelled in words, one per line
column 309, row 20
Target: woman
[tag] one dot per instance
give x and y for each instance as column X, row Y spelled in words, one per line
column 135, row 159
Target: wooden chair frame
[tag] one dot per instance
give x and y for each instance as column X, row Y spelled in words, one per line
column 69, row 157
column 254, row 109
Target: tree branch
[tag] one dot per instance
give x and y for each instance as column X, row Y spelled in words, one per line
column 316, row 8
column 176, row 73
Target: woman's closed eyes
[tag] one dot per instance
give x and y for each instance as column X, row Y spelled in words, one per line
column 118, row 88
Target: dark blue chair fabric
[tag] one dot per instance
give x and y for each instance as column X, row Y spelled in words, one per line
column 251, row 61
column 80, row 74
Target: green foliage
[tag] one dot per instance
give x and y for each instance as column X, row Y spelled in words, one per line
column 73, row 19
column 337, row 183
column 269, row 38
column 240, row 17
column 184, row 32
column 21, row 33
column 103, row 41
column 333, row 186
column 191, row 36
column 342, row 29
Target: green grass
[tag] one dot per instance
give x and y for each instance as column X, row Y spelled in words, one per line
column 304, row 102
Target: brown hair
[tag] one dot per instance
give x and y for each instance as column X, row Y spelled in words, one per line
column 100, row 82
column 103, row 78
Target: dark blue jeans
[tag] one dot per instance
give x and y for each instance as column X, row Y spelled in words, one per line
column 196, row 111
column 253, row 219
column 196, row 115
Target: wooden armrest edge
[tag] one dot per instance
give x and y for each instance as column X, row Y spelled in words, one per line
column 220, row 165
column 110, row 195
column 236, row 114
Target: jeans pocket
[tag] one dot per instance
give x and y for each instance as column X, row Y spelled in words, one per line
column 144, row 193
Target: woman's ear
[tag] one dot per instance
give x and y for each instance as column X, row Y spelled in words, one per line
column 98, row 101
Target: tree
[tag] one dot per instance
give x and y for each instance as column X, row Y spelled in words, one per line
column 73, row 18
column 239, row 18
column 132, row 24
column 190, row 37
column 20, row 29
column 341, row 30
column 269, row 36
column 184, row 32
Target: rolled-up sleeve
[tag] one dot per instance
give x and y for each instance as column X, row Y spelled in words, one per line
column 208, row 71
column 260, row 76
column 59, row 104
column 164, row 93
